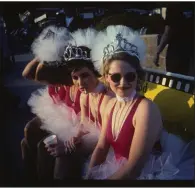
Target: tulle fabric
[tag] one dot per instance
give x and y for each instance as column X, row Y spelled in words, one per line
column 182, row 153
column 60, row 119
column 104, row 170
column 159, row 167
column 156, row 168
column 176, row 162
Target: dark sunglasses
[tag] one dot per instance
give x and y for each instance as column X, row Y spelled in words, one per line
column 83, row 76
column 129, row 77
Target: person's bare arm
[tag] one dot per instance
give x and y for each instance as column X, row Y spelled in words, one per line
column 164, row 39
column 84, row 116
column 148, row 126
column 71, row 144
column 102, row 147
column 53, row 75
column 163, row 42
column 29, row 71
column 42, row 74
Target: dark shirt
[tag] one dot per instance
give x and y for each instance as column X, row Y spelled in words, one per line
column 180, row 20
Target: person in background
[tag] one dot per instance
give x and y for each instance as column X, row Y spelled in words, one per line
column 68, row 18
column 178, row 34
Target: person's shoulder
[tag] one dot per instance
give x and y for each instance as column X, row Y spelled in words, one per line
column 147, row 104
column 108, row 95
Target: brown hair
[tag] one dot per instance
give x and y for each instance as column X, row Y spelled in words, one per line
column 54, row 75
column 131, row 60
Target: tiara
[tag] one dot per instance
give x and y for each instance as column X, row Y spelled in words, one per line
column 73, row 52
column 120, row 44
column 49, row 34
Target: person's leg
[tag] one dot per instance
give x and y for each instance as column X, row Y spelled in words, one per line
column 71, row 165
column 192, row 67
column 32, row 135
column 28, row 161
column 68, row 166
column 45, row 162
column 177, row 61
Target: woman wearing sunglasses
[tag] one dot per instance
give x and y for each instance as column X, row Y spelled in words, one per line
column 132, row 124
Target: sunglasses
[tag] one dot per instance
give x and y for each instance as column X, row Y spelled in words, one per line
column 129, row 77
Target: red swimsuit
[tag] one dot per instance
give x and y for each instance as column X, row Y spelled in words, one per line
column 122, row 144
column 62, row 93
column 90, row 115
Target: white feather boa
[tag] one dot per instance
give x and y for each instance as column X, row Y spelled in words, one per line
column 52, row 47
column 60, row 119
column 84, row 37
column 108, row 36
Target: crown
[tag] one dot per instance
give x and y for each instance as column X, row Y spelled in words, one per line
column 49, row 34
column 73, row 52
column 120, row 44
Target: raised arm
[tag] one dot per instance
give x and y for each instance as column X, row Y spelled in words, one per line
column 148, row 126
column 53, row 75
column 29, row 71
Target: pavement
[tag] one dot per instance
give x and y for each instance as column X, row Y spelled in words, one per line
column 17, row 117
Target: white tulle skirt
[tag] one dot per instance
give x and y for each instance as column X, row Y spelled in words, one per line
column 176, row 162
column 156, row 168
column 60, row 119
column 182, row 154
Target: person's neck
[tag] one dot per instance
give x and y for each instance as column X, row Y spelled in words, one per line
column 98, row 89
column 126, row 99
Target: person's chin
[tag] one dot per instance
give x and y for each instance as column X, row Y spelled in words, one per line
column 124, row 93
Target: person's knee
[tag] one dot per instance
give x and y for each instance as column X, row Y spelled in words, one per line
column 23, row 142
column 41, row 145
column 32, row 126
column 41, row 149
column 23, row 145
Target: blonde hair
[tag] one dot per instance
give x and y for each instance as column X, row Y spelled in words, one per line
column 131, row 60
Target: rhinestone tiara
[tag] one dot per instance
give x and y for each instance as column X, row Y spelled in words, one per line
column 73, row 52
column 120, row 44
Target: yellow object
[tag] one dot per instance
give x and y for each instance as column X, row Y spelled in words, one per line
column 175, row 98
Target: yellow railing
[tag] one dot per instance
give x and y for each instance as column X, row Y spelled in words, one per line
column 174, row 94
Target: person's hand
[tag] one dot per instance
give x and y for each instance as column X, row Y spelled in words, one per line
column 56, row 149
column 156, row 60
column 70, row 145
